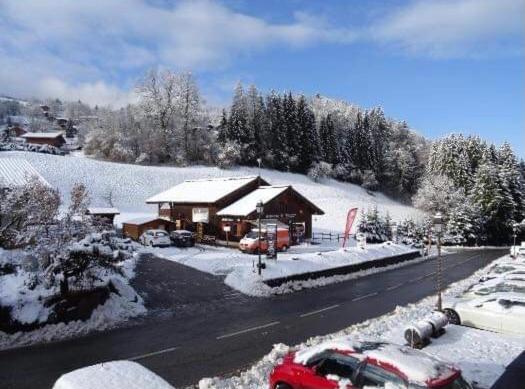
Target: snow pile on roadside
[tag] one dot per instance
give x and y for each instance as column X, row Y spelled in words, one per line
column 131, row 185
column 481, row 355
column 239, row 267
column 118, row 308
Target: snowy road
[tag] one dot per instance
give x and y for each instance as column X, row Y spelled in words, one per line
column 210, row 333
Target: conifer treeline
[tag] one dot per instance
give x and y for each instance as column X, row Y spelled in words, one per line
column 291, row 133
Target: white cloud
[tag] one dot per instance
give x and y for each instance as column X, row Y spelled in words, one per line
column 97, row 48
column 454, row 28
column 88, row 44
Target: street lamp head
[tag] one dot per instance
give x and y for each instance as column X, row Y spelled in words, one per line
column 259, row 207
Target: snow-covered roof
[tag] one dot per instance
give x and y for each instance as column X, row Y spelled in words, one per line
column 143, row 220
column 51, row 135
column 247, row 205
column 417, row 366
column 112, row 375
column 16, row 172
column 103, row 211
column 201, row 191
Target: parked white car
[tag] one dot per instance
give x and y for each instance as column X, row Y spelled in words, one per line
column 495, row 285
column 155, row 238
column 498, row 312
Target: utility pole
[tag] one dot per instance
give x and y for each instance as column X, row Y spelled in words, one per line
column 260, row 208
column 438, row 227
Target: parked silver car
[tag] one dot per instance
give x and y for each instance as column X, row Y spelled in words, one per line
column 155, row 238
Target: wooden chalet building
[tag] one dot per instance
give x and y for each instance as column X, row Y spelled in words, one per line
column 213, row 204
column 55, row 139
column 198, row 201
column 282, row 204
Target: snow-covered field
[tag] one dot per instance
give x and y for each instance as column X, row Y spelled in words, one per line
column 481, row 355
column 27, row 306
column 131, row 185
column 241, row 274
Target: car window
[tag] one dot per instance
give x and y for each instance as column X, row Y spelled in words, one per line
column 340, row 365
column 375, row 376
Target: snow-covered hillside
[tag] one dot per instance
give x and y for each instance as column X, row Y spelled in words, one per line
column 130, row 185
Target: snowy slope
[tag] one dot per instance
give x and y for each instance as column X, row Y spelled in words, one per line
column 131, row 185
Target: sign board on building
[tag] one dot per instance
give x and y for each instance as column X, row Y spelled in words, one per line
column 200, row 215
column 226, row 228
column 271, row 236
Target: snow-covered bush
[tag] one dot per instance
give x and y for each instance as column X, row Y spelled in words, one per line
column 369, row 180
column 228, row 155
column 320, row 171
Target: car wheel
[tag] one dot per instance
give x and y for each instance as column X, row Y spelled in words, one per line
column 453, row 317
column 282, row 385
column 151, row 243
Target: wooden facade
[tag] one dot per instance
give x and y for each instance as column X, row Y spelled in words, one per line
column 134, row 229
column 289, row 208
column 182, row 213
column 57, row 141
column 284, row 205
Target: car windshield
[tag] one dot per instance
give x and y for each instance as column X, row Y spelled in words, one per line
column 160, row 233
column 252, row 235
column 184, row 234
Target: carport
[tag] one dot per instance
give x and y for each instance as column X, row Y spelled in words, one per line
column 135, row 228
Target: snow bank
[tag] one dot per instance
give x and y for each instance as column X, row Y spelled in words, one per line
column 131, row 185
column 482, row 356
column 241, row 275
column 117, row 309
column 112, row 375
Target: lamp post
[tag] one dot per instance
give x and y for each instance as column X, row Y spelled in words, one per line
column 394, row 232
column 260, row 209
column 515, row 228
column 437, row 221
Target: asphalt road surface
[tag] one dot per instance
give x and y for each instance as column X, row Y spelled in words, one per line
column 198, row 327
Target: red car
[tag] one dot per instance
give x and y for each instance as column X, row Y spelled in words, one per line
column 350, row 364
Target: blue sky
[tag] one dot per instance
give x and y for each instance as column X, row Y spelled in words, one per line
column 443, row 66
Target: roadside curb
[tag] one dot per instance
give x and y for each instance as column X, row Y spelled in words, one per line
column 342, row 270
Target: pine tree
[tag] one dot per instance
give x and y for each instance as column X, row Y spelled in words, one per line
column 222, row 136
column 487, row 194
column 327, row 140
column 308, row 142
column 512, row 182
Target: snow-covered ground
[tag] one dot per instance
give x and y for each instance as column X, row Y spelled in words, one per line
column 240, row 270
column 131, row 185
column 27, row 306
column 481, row 355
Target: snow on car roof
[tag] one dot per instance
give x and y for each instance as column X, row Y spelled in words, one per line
column 417, row 366
column 42, row 134
column 201, row 191
column 247, row 204
column 16, row 172
column 112, row 375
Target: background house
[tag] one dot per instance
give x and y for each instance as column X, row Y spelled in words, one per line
column 55, row 139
